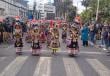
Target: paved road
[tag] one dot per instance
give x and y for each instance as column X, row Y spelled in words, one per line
column 90, row 62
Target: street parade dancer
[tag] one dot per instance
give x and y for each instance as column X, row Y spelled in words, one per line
column 55, row 44
column 18, row 39
column 18, row 44
column 64, row 34
column 36, row 43
column 74, row 46
column 48, row 39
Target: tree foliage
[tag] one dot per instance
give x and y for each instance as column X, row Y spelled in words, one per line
column 104, row 9
column 86, row 15
column 66, row 7
column 72, row 13
column 86, row 3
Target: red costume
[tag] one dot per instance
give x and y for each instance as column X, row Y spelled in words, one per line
column 42, row 37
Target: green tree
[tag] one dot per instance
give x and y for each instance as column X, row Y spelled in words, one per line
column 86, row 15
column 104, row 8
column 72, row 13
column 86, row 3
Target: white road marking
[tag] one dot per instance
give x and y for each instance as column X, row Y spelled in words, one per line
column 13, row 68
column 82, row 52
column 72, row 68
column 91, row 52
column 43, row 68
column 2, row 58
column 99, row 67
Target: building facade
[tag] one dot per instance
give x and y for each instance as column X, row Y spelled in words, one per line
column 33, row 12
column 13, row 8
column 42, row 10
column 49, row 9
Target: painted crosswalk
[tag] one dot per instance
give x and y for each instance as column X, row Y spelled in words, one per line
column 13, row 68
column 44, row 66
column 72, row 67
column 99, row 67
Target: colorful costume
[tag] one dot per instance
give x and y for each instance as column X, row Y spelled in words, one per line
column 42, row 37
column 18, row 45
column 64, row 35
column 49, row 39
column 73, row 44
column 55, row 44
column 35, row 45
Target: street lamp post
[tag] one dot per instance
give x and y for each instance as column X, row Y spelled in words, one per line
column 97, row 12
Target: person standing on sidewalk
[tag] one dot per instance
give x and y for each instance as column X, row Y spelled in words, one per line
column 102, row 38
column 84, row 35
column 106, row 37
column 92, row 33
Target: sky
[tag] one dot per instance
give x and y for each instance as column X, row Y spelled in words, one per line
column 76, row 3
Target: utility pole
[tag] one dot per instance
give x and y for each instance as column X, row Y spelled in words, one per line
column 97, row 12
